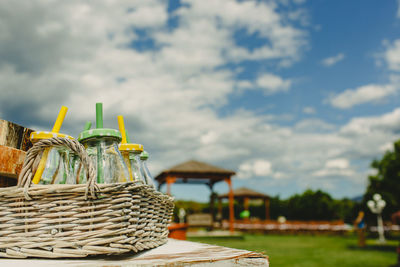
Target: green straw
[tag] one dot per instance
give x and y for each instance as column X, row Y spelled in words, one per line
column 99, row 115
column 88, row 125
column 99, row 124
column 100, row 178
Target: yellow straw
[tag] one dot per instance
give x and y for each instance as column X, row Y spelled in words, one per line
column 60, row 119
column 41, row 166
column 121, row 126
column 56, row 129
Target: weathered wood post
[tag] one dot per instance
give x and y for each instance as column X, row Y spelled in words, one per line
column 14, row 141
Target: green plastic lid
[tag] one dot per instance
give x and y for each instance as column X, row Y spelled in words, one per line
column 144, row 155
column 99, row 131
column 102, row 132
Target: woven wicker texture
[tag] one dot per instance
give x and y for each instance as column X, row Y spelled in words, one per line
column 53, row 221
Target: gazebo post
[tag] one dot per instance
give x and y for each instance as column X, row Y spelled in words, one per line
column 220, row 211
column 231, row 210
column 246, row 207
column 246, row 203
column 211, row 185
column 170, row 181
column 267, row 215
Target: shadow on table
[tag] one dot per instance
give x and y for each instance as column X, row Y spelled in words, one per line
column 123, row 256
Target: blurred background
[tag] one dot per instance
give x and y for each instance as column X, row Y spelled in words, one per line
column 299, row 98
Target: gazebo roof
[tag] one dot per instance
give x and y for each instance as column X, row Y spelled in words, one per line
column 244, row 192
column 199, row 167
column 192, row 171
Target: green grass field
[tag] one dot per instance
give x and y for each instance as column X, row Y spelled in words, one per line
column 305, row 250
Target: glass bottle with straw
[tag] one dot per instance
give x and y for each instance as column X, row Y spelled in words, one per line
column 130, row 153
column 77, row 168
column 53, row 166
column 146, row 173
column 102, row 147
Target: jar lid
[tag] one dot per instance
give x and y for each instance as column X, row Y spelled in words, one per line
column 40, row 135
column 131, row 147
column 144, row 155
column 99, row 132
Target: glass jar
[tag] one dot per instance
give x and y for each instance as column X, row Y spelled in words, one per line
column 77, row 169
column 131, row 155
column 101, row 144
column 146, row 173
column 54, row 164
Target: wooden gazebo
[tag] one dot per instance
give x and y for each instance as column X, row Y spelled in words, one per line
column 245, row 194
column 196, row 172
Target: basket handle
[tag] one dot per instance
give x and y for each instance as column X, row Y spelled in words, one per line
column 27, row 171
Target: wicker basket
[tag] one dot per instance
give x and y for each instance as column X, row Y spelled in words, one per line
column 53, row 221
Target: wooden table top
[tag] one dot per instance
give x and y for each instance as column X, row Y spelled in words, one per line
column 173, row 253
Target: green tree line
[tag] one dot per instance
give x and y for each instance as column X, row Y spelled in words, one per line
column 310, row 205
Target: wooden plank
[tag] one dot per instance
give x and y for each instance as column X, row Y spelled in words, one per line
column 14, row 135
column 174, row 253
column 11, row 161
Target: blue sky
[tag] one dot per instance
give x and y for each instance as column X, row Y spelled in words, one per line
column 290, row 94
column 355, row 29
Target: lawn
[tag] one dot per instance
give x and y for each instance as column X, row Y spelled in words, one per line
column 306, row 250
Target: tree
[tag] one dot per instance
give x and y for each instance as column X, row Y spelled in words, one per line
column 346, row 210
column 311, row 205
column 386, row 181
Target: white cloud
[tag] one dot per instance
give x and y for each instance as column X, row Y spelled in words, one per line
column 77, row 54
column 339, row 163
column 300, row 15
column 258, row 167
column 313, row 126
column 398, row 8
column 392, row 55
column 386, row 147
column 309, row 110
column 362, row 95
column 211, row 27
column 262, row 167
column 335, row 167
column 74, row 54
column 245, row 171
column 371, row 93
column 279, row 175
column 330, row 61
column 329, row 172
column 389, row 122
column 267, row 82
column 208, row 138
column 244, row 85
column 271, row 83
